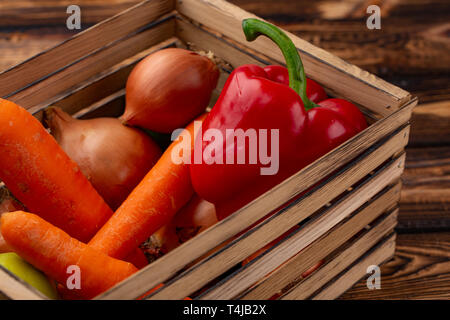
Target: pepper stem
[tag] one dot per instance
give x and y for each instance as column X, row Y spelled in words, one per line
column 253, row 28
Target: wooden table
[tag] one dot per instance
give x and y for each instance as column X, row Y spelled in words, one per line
column 411, row 50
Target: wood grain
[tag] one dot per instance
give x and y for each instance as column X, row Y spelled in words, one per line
column 15, row 288
column 27, row 73
column 420, row 270
column 53, row 12
column 345, row 281
column 425, row 198
column 317, row 246
column 342, row 260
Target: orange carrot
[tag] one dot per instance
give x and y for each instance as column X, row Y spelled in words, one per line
column 38, row 172
column 7, row 204
column 52, row 250
column 195, row 217
column 137, row 258
column 143, row 296
column 152, row 204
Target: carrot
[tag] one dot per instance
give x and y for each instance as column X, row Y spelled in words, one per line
column 152, row 204
column 7, row 204
column 52, row 250
column 195, row 217
column 40, row 174
column 137, row 258
column 142, row 297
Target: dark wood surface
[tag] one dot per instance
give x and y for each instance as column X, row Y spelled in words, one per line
column 411, row 50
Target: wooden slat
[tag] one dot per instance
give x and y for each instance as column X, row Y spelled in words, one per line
column 420, row 270
column 429, row 121
column 342, row 260
column 14, row 288
column 343, row 282
column 82, row 44
column 346, row 79
column 168, row 265
column 204, row 40
column 53, row 12
column 35, row 97
column 111, row 106
column 100, row 85
column 309, row 233
column 425, row 200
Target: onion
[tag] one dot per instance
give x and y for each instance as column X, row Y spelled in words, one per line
column 112, row 156
column 168, row 89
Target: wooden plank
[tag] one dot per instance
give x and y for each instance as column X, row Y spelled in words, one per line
column 342, row 260
column 240, row 281
column 420, row 270
column 14, row 288
column 19, row 45
column 307, row 236
column 82, row 44
column 345, row 280
column 37, row 96
column 100, row 85
column 346, row 79
column 168, row 265
column 231, row 52
column 111, row 106
column 53, row 12
column 425, row 200
column 429, row 121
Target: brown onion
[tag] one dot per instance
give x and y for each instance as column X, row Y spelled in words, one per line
column 168, row 89
column 112, row 156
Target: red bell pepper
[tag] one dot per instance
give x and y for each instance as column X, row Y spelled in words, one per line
column 269, row 98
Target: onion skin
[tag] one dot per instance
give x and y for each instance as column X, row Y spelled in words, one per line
column 112, row 156
column 168, row 89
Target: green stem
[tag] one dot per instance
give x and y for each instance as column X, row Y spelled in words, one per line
column 253, row 28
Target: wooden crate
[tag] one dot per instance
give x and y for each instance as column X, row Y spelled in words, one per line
column 348, row 214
